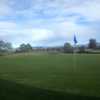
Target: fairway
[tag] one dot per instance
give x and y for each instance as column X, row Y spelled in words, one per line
column 51, row 72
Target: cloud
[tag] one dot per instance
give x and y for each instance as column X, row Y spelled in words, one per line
column 4, row 8
column 6, row 25
column 88, row 9
column 22, row 35
column 49, row 22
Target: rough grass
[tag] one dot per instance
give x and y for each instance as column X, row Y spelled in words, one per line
column 50, row 76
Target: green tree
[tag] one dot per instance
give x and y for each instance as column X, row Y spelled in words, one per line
column 82, row 49
column 5, row 46
column 68, row 48
column 25, row 48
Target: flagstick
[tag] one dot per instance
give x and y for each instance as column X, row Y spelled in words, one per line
column 74, row 58
column 74, row 53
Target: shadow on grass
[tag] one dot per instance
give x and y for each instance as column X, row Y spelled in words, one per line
column 13, row 91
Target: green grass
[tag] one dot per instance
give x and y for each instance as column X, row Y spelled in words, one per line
column 54, row 74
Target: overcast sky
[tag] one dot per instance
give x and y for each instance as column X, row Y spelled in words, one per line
column 49, row 22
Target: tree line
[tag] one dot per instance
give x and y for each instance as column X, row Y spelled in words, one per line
column 92, row 47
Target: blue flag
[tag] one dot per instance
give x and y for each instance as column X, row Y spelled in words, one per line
column 75, row 39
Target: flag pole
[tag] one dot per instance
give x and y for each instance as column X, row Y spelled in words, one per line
column 74, row 58
column 74, row 54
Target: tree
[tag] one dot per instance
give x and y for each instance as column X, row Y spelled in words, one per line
column 25, row 48
column 6, row 46
column 68, row 48
column 2, row 44
column 29, row 47
column 81, row 49
column 92, row 44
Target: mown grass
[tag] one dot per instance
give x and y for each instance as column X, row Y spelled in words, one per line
column 56, row 73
